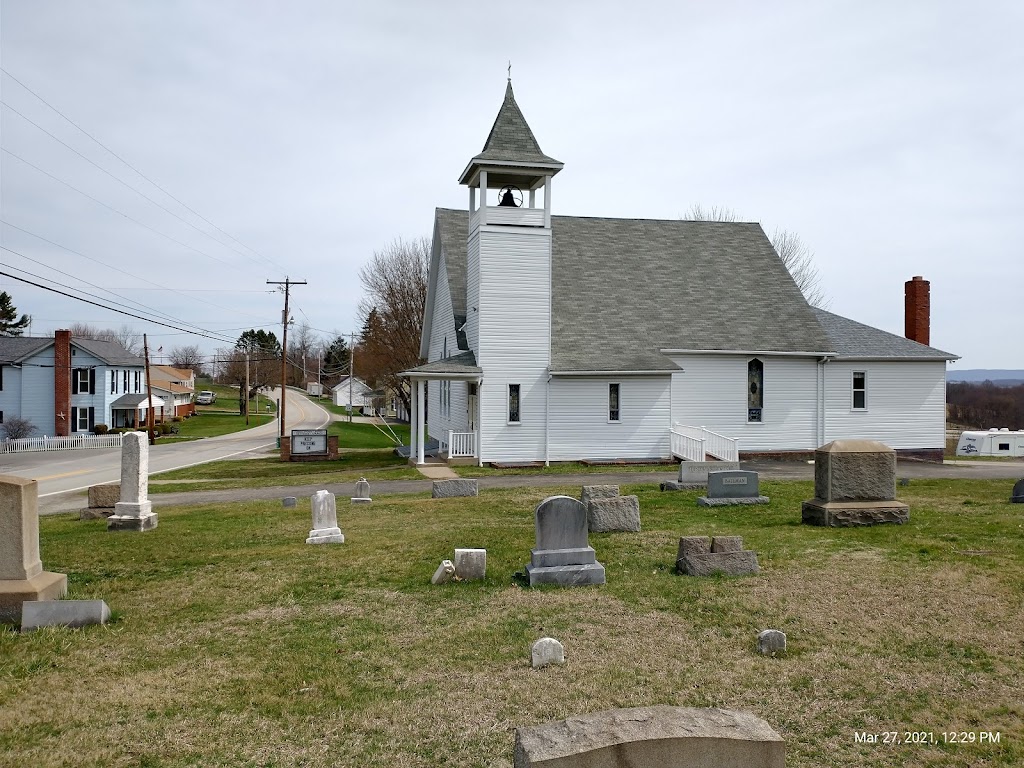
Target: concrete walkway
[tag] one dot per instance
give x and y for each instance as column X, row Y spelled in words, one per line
column 768, row 470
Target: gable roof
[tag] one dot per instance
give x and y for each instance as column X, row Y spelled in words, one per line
column 856, row 340
column 14, row 349
column 625, row 289
column 170, row 373
column 109, row 352
column 510, row 142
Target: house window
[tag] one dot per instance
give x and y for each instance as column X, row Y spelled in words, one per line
column 137, row 382
column 860, row 390
column 755, row 390
column 513, row 403
column 81, row 420
column 113, row 382
column 1, row 417
column 124, row 381
column 81, row 382
column 613, row 402
column 1, row 378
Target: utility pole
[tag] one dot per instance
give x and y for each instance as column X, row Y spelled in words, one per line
column 351, row 372
column 149, row 391
column 284, row 344
column 245, row 395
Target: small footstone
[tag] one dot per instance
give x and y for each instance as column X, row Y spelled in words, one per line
column 445, row 572
column 771, row 642
column 449, row 489
column 62, row 613
column 288, row 501
column 547, row 651
column 693, row 545
column 470, row 564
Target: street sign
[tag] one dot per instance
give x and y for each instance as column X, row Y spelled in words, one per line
column 309, row 441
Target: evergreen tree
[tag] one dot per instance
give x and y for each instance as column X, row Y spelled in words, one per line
column 10, row 323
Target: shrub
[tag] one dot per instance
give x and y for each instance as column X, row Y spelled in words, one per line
column 176, row 419
column 165, row 428
column 100, row 429
column 16, row 427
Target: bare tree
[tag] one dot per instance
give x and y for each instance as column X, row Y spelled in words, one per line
column 395, row 282
column 125, row 336
column 15, row 427
column 302, row 353
column 189, row 358
column 795, row 255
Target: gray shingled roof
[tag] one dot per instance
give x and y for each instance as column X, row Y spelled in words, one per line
column 623, row 289
column 109, row 352
column 510, row 139
column 452, row 227
column 15, row 348
column 853, row 339
column 463, row 363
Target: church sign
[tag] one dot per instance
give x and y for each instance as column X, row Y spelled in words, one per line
column 309, row 441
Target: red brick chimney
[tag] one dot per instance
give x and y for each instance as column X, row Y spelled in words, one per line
column 62, row 383
column 917, row 309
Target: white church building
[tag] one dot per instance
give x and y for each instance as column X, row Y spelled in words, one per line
column 557, row 338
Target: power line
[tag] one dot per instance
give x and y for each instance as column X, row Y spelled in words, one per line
column 136, row 170
column 101, row 306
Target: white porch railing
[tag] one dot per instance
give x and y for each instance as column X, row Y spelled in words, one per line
column 461, row 444
column 697, row 443
column 69, row 443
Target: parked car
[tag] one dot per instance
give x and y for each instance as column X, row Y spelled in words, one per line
column 206, row 397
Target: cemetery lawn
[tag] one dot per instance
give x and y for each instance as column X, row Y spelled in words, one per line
column 235, row 644
column 271, row 471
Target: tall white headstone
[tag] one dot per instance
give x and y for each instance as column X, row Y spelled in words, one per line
column 134, row 512
column 325, row 520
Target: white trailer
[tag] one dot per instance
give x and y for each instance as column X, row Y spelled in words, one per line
column 994, row 442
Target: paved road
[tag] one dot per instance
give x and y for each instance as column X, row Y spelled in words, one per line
column 64, row 472
column 768, row 470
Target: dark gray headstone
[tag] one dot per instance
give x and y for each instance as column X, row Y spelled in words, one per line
column 563, row 555
column 289, row 501
column 1018, row 493
column 771, row 642
column 614, row 513
column 733, row 484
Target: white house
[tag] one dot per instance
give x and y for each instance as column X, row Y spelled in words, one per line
column 552, row 338
column 352, row 390
column 66, row 386
column 175, row 387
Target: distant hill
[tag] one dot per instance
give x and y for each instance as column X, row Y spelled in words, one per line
column 1001, row 377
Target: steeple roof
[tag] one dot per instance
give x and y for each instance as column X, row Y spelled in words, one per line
column 510, row 144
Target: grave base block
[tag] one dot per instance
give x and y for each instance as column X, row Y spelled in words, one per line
column 566, row 575
column 704, row 501
column 42, row 586
column 848, row 514
column 131, row 523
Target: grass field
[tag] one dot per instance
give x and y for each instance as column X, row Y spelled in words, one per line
column 271, row 471
column 235, row 644
column 363, row 435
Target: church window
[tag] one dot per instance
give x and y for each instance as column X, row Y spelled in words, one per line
column 755, row 390
column 513, row 403
column 860, row 390
column 613, row 402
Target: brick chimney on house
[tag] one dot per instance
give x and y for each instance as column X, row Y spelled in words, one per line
column 62, row 383
column 917, row 293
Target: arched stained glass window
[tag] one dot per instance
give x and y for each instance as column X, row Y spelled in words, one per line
column 755, row 390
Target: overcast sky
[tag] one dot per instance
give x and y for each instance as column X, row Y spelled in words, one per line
column 888, row 135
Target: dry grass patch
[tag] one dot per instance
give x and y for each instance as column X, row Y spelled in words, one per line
column 234, row 643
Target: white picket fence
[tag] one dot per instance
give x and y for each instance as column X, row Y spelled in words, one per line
column 69, row 443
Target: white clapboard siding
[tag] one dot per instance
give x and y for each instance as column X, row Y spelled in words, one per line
column 10, row 394
column 443, row 321
column 37, row 392
column 906, row 403
column 580, row 428
column 711, row 392
column 514, row 338
column 473, row 293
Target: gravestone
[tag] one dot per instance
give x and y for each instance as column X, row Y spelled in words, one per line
column 590, row 492
column 63, row 613
column 614, row 513
column 134, row 512
column 1017, row 497
column 730, row 487
column 705, row 556
column 325, row 520
column 445, row 572
column 652, row 737
column 288, row 502
column 102, row 499
column 547, row 651
column 854, row 484
column 362, row 492
column 695, row 473
column 563, row 555
column 771, row 642
column 470, row 564
column 449, row 489
column 22, row 577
